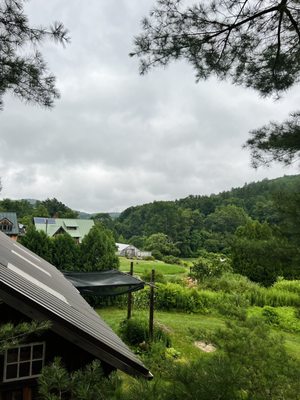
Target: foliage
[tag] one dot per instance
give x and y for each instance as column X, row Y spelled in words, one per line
column 250, row 363
column 258, row 254
column 261, row 296
column 57, row 209
column 253, row 44
column 20, row 207
column 135, row 331
column 180, row 225
column 106, row 220
column 198, row 222
column 11, row 335
column 171, row 260
column 172, row 296
column 38, row 242
column 161, row 243
column 276, row 142
column 90, row 383
column 98, row 251
column 159, row 276
column 226, row 219
column 279, row 318
column 210, row 265
column 65, row 252
column 229, row 283
column 286, row 285
column 270, row 315
column 24, row 73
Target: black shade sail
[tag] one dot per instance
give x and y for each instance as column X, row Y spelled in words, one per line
column 104, row 283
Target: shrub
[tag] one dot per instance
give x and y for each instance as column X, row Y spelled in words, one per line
column 171, row 260
column 270, row 315
column 159, row 276
column 229, row 283
column 135, row 331
column 172, row 296
column 290, row 286
column 260, row 296
column 149, row 258
column 210, row 265
column 157, row 254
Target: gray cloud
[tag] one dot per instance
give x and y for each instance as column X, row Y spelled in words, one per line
column 116, row 139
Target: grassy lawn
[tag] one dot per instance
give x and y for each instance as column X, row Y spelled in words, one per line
column 180, row 326
column 142, row 266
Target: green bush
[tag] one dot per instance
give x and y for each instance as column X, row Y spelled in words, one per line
column 270, row 315
column 135, row 331
column 159, row 276
column 233, row 305
column 229, row 283
column 171, row 260
column 289, row 286
column 149, row 258
column 172, row 296
column 210, row 265
column 261, row 296
column 157, row 254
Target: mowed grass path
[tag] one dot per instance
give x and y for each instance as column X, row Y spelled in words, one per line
column 181, row 325
column 142, row 266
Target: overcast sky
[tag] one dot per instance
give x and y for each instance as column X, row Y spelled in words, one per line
column 117, row 139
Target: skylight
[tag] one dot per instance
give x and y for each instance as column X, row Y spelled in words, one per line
column 36, row 282
column 30, row 262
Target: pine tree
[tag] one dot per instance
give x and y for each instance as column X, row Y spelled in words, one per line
column 24, row 73
column 253, row 44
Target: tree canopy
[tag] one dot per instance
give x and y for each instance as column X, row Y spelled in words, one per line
column 254, row 44
column 24, row 72
column 98, row 250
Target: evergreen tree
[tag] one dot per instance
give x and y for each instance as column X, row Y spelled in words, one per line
column 98, row 250
column 261, row 255
column 57, row 383
column 254, row 44
column 24, row 73
column 65, row 252
column 38, row 242
column 57, row 209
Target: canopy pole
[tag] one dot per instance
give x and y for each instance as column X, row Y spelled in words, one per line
column 151, row 311
column 129, row 301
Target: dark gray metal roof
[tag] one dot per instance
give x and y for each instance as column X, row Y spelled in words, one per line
column 31, row 283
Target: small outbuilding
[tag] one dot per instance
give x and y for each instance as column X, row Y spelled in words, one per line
column 130, row 251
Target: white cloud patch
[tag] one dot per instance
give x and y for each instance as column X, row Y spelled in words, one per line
column 116, row 139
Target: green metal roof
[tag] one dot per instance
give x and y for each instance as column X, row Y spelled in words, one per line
column 12, row 217
column 77, row 228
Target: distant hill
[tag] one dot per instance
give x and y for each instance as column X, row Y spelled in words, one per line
column 84, row 215
column 197, row 219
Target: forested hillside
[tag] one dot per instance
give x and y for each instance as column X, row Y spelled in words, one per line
column 257, row 225
column 209, row 222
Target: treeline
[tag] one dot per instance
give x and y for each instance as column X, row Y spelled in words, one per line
column 257, row 225
column 26, row 210
column 208, row 222
column 97, row 251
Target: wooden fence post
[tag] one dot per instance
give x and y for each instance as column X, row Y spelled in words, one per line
column 129, row 301
column 151, row 311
